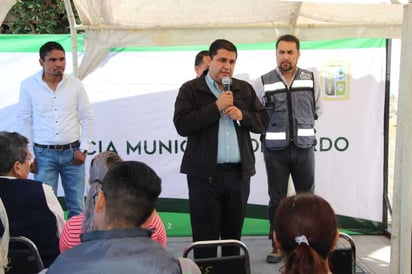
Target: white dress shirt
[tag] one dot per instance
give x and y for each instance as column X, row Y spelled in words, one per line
column 58, row 117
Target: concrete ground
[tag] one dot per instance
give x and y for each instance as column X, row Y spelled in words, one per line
column 373, row 253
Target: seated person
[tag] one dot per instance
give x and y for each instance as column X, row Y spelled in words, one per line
column 32, row 207
column 119, row 244
column 306, row 231
column 84, row 222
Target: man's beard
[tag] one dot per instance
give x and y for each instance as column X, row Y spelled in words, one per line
column 286, row 66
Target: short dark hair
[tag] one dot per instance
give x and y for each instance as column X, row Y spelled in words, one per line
column 48, row 47
column 288, row 38
column 221, row 44
column 13, row 147
column 199, row 57
column 131, row 189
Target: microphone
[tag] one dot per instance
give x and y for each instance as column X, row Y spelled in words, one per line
column 226, row 81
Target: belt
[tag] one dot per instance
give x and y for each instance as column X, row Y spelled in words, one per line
column 75, row 144
column 229, row 166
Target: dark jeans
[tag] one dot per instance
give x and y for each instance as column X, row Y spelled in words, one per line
column 299, row 163
column 217, row 208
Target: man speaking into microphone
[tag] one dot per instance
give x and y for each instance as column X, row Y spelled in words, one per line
column 217, row 113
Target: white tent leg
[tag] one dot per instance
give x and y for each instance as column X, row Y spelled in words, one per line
column 73, row 35
column 402, row 211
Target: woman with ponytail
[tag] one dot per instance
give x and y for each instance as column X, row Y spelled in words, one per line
column 306, row 231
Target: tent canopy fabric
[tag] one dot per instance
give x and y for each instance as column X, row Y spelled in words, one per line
column 5, row 6
column 264, row 19
column 111, row 23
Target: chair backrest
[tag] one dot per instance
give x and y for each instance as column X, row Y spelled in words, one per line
column 343, row 258
column 188, row 266
column 4, row 241
column 24, row 257
column 239, row 264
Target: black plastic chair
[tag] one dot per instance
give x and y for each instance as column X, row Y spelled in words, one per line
column 24, row 257
column 239, row 264
column 343, row 258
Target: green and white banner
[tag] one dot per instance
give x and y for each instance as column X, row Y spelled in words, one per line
column 133, row 93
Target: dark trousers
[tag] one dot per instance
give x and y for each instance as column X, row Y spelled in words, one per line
column 217, row 208
column 299, row 163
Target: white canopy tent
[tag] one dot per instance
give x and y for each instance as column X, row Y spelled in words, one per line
column 111, row 23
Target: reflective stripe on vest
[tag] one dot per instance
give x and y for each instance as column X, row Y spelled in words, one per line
column 275, row 136
column 302, row 84
column 306, row 132
column 274, row 86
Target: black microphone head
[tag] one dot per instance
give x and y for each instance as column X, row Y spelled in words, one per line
column 226, row 81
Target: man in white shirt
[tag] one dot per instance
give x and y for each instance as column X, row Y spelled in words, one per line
column 32, row 208
column 56, row 116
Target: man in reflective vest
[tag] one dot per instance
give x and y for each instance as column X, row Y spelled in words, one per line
column 291, row 96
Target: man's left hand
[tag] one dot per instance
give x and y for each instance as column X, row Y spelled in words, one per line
column 78, row 157
column 234, row 113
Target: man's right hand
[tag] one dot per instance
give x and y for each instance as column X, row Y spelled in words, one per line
column 225, row 100
column 33, row 166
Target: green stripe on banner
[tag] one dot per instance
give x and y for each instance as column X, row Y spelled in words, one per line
column 256, row 222
column 359, row 226
column 178, row 224
column 344, row 44
column 326, row 44
column 32, row 43
column 176, row 218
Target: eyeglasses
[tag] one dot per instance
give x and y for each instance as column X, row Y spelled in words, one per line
column 98, row 186
column 94, row 197
column 29, row 157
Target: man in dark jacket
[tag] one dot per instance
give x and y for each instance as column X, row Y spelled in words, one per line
column 217, row 114
column 32, row 208
column 119, row 244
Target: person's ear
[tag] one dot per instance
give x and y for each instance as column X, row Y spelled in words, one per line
column 17, row 170
column 208, row 60
column 335, row 242
column 100, row 203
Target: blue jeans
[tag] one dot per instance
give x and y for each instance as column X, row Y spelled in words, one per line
column 291, row 161
column 54, row 162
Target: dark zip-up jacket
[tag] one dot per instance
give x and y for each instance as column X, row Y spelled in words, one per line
column 197, row 117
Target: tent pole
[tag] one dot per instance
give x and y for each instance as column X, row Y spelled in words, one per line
column 73, row 35
column 402, row 193
column 386, row 202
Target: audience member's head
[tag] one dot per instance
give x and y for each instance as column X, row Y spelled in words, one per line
column 306, row 231
column 201, row 62
column 15, row 156
column 128, row 196
column 99, row 166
